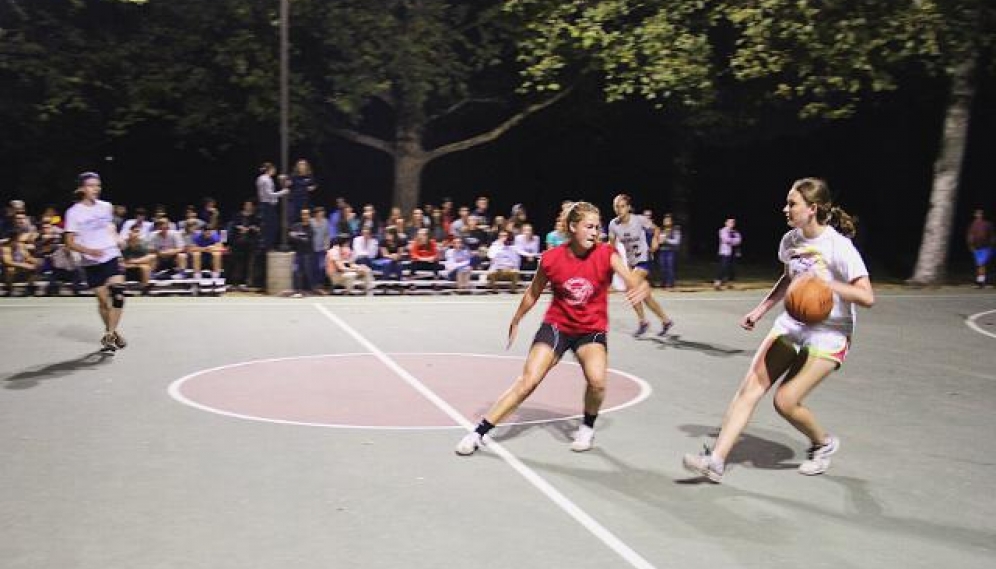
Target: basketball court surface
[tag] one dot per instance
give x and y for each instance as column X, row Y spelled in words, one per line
column 308, row 433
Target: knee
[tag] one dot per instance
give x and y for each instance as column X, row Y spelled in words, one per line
column 785, row 404
column 526, row 384
column 597, row 385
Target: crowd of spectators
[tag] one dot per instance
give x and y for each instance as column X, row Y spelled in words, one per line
column 342, row 247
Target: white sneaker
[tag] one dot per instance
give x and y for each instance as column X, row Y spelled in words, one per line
column 704, row 464
column 469, row 443
column 818, row 457
column 584, row 439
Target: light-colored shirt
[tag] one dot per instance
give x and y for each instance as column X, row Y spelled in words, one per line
column 633, row 237
column 830, row 256
column 366, row 247
column 92, row 227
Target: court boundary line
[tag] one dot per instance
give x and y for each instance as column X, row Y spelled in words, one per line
column 176, row 386
column 970, row 322
column 547, row 489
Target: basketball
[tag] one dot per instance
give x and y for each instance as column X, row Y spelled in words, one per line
column 809, row 300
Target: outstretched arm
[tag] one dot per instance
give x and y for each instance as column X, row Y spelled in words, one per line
column 526, row 304
column 637, row 289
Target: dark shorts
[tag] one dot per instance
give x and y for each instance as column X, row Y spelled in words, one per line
column 549, row 334
column 98, row 275
column 644, row 266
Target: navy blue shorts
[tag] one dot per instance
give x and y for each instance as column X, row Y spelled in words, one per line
column 98, row 275
column 645, row 266
column 549, row 334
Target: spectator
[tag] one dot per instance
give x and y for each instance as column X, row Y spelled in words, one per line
column 729, row 250
column 269, row 204
column 527, row 245
column 167, row 245
column 391, row 255
column 457, row 225
column 458, row 264
column 365, row 247
column 669, row 240
column 981, row 238
column 18, row 263
column 321, row 240
column 141, row 219
column 505, row 262
column 209, row 213
column 424, row 253
column 302, row 186
column 343, row 271
column 369, row 220
column 558, row 236
column 302, row 237
column 136, row 257
column 244, row 240
column 481, row 211
column 476, row 240
column 206, row 245
column 120, row 216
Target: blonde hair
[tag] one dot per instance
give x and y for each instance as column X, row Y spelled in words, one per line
column 816, row 192
column 577, row 210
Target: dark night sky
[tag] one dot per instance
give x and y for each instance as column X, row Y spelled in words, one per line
column 879, row 164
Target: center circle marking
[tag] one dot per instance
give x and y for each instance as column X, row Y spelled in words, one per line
column 357, row 391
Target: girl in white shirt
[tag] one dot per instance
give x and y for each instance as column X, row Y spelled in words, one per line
column 818, row 246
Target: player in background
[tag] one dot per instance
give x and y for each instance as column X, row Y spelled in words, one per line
column 90, row 232
column 630, row 230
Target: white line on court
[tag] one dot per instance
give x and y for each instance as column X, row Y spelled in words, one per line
column 579, row 515
column 970, row 322
column 175, row 391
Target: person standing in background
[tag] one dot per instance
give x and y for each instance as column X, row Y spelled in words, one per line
column 302, row 185
column 269, row 204
column 981, row 238
column 669, row 243
column 729, row 246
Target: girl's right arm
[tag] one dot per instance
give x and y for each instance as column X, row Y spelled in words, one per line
column 529, row 299
column 774, row 296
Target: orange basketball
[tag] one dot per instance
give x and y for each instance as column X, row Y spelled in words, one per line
column 809, row 300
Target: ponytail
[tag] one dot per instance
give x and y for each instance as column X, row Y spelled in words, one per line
column 842, row 222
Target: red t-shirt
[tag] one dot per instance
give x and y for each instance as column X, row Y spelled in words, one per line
column 580, row 288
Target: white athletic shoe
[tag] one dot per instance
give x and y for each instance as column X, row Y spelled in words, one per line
column 818, row 457
column 704, row 464
column 469, row 443
column 584, row 439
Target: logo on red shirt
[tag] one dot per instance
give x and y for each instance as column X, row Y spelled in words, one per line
column 578, row 290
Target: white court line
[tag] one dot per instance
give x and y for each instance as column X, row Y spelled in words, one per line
column 176, row 392
column 970, row 322
column 579, row 515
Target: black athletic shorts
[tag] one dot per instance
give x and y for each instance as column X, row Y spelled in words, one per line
column 98, row 275
column 549, row 334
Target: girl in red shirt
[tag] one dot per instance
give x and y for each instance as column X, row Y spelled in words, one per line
column 580, row 274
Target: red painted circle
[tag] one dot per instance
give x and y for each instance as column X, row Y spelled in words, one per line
column 361, row 390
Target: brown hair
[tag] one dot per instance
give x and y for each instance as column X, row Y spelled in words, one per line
column 816, row 192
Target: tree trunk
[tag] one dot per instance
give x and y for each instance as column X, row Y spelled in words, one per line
column 930, row 264
column 409, row 161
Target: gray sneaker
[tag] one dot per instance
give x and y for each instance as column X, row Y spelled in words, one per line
column 818, row 457
column 704, row 464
